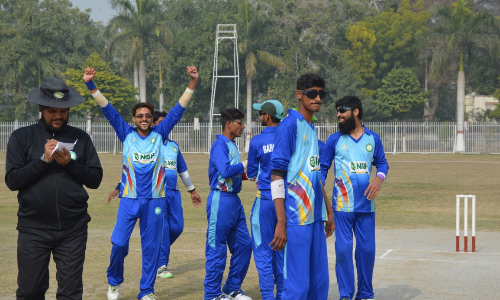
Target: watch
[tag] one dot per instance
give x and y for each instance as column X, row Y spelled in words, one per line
column 190, row 191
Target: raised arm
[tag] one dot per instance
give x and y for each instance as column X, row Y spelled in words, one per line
column 176, row 112
column 121, row 127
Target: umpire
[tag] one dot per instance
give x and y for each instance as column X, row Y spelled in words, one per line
column 52, row 215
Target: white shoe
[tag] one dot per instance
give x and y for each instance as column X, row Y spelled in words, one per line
column 113, row 292
column 163, row 272
column 238, row 295
column 149, row 296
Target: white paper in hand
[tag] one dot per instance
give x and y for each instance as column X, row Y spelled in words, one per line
column 68, row 146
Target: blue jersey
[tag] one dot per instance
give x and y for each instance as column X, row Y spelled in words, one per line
column 320, row 145
column 143, row 163
column 353, row 161
column 225, row 167
column 174, row 163
column 259, row 158
column 296, row 152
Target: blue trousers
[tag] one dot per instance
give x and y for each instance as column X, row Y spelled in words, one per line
column 306, row 263
column 173, row 224
column 227, row 227
column 269, row 263
column 150, row 213
column 363, row 227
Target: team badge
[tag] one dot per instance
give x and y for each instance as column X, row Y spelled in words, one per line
column 73, row 155
column 369, row 147
column 58, row 95
column 175, row 149
column 157, row 210
column 153, row 140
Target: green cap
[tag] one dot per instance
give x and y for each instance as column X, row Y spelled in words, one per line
column 273, row 108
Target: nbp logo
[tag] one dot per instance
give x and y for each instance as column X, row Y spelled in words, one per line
column 358, row 167
column 144, row 157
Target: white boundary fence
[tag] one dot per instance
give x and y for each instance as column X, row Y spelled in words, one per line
column 397, row 137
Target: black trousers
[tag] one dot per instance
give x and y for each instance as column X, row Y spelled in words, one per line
column 34, row 247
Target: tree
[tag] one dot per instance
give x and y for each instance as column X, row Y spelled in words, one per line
column 34, row 46
column 386, row 41
column 256, row 39
column 399, row 95
column 342, row 81
column 134, row 32
column 360, row 56
column 117, row 90
column 459, row 35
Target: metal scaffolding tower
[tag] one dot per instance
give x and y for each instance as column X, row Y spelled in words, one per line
column 224, row 33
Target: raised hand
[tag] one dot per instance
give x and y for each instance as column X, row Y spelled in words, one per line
column 89, row 74
column 192, row 72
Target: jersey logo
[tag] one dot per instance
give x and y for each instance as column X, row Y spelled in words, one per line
column 313, row 163
column 157, row 210
column 175, row 149
column 369, row 147
column 268, row 148
column 358, row 167
column 170, row 164
column 144, row 157
column 153, row 140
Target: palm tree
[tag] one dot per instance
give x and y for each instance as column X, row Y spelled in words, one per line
column 459, row 36
column 34, row 57
column 255, row 40
column 135, row 31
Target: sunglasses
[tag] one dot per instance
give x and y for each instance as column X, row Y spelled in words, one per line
column 343, row 109
column 140, row 116
column 238, row 121
column 261, row 113
column 312, row 94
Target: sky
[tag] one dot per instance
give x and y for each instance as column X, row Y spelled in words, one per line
column 101, row 11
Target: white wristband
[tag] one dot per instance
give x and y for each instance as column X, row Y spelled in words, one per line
column 278, row 189
column 100, row 99
column 189, row 90
column 186, row 179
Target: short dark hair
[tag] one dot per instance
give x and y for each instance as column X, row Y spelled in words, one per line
column 351, row 101
column 230, row 114
column 275, row 120
column 158, row 114
column 310, row 80
column 141, row 105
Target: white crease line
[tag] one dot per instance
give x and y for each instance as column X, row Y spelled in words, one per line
column 446, row 252
column 439, row 260
column 385, row 254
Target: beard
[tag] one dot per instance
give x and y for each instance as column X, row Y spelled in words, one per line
column 348, row 125
column 50, row 128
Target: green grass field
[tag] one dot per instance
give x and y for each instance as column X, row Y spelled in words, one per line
column 418, row 193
